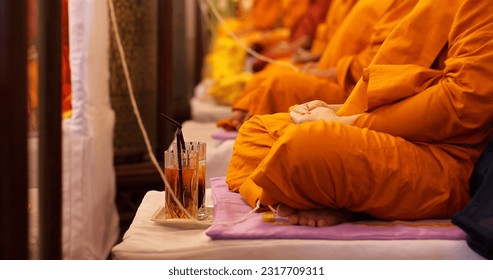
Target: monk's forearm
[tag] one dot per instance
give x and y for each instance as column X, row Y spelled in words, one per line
column 435, row 115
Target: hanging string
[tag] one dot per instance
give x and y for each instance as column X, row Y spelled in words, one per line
column 243, row 45
column 136, row 111
column 179, row 134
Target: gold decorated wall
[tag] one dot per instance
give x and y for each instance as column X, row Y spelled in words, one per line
column 137, row 21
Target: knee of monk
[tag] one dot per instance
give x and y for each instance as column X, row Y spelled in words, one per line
column 326, row 164
column 314, row 155
column 315, row 139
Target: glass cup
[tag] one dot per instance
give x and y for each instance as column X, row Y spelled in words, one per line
column 182, row 173
column 200, row 148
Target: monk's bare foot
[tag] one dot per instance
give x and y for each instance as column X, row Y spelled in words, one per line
column 315, row 217
column 238, row 117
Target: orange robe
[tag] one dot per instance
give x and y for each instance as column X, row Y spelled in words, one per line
column 269, row 14
column 308, row 22
column 301, row 34
column 336, row 14
column 266, row 14
column 267, row 24
column 338, row 10
column 269, row 18
column 426, row 116
column 352, row 47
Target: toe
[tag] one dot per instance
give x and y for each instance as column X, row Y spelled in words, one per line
column 303, row 221
column 293, row 219
column 322, row 223
column 284, row 211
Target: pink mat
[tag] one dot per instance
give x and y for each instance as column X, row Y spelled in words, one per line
column 229, row 206
column 224, row 135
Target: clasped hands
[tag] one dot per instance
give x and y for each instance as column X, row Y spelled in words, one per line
column 317, row 110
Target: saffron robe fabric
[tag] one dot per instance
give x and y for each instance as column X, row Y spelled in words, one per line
column 336, row 14
column 314, row 15
column 268, row 23
column 352, row 47
column 270, row 20
column 426, row 114
column 301, row 34
column 338, row 10
column 270, row 14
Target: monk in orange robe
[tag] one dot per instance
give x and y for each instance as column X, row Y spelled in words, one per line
column 229, row 77
column 403, row 145
column 338, row 10
column 269, row 14
column 264, row 25
column 301, row 34
column 352, row 47
column 268, row 18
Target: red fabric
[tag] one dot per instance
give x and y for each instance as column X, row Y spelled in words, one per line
column 307, row 25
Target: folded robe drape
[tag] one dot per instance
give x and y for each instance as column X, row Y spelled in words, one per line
column 269, row 14
column 338, row 10
column 301, row 34
column 336, row 14
column 351, row 49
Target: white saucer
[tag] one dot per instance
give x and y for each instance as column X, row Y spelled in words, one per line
column 160, row 218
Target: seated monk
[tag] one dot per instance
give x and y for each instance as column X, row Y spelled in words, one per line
column 352, row 47
column 264, row 24
column 335, row 15
column 269, row 14
column 404, row 144
column 337, row 12
column 301, row 35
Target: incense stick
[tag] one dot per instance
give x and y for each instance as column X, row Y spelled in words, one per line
column 177, row 124
column 179, row 142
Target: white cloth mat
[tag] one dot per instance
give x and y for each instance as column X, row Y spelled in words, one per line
column 148, row 240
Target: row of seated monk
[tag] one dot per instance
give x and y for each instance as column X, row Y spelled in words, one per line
column 384, row 114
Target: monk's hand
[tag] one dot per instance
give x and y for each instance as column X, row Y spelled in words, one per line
column 318, row 110
column 238, row 117
column 316, row 114
column 305, row 108
column 302, row 56
column 309, row 68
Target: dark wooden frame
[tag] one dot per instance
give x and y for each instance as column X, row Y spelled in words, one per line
column 13, row 130
column 13, row 125
column 50, row 131
column 165, row 131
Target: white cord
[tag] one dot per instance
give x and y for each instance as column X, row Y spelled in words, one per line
column 141, row 124
column 242, row 44
column 257, row 207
